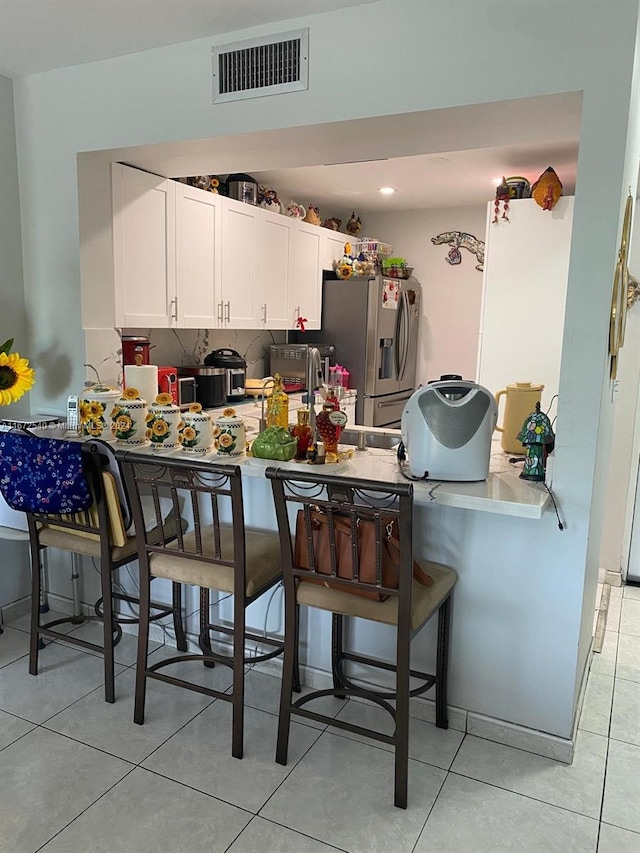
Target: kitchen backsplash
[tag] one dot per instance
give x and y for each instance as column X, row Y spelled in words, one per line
column 177, row 347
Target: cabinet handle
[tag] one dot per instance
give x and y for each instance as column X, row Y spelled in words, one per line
column 220, row 313
column 174, row 308
column 228, row 317
column 264, row 313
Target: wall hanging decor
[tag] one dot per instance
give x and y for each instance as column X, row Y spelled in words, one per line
column 461, row 240
column 503, row 194
column 547, row 189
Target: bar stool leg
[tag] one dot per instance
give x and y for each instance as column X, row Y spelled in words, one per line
column 44, row 586
column 181, row 640
column 107, row 629
column 289, row 663
column 205, row 636
column 402, row 718
column 337, row 645
column 297, row 686
column 237, row 739
column 34, row 643
column 143, row 647
column 442, row 664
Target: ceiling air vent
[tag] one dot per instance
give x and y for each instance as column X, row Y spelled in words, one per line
column 262, row 66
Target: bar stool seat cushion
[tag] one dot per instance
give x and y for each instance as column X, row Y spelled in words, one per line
column 425, row 600
column 262, row 558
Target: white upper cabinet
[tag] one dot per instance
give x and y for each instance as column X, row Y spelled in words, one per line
column 306, row 277
column 198, row 258
column 333, row 248
column 239, row 291
column 275, row 264
column 189, row 259
column 144, row 248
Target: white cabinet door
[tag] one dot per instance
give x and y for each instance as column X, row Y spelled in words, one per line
column 144, row 248
column 332, row 248
column 306, row 277
column 198, row 236
column 238, row 276
column 275, row 263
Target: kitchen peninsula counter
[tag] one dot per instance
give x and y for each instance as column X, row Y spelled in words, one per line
column 503, row 492
column 506, row 603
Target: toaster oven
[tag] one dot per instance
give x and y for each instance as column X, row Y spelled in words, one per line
column 291, row 361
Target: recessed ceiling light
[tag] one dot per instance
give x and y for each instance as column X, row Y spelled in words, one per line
column 387, row 190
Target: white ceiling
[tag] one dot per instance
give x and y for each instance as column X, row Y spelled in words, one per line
column 448, row 179
column 38, row 35
column 436, row 159
column 446, row 158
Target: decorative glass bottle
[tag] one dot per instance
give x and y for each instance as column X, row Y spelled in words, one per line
column 278, row 405
column 329, row 423
column 302, row 433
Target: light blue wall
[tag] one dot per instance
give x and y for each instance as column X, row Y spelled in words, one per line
column 14, row 576
column 442, row 53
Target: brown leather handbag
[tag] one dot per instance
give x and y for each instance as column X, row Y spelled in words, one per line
column 365, row 571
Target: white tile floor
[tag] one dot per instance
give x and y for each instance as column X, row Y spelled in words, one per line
column 77, row 776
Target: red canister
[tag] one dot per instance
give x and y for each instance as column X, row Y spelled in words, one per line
column 135, row 345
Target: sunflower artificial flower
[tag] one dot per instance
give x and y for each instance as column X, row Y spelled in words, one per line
column 16, row 377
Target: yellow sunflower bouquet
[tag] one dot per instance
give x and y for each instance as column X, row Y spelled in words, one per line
column 16, row 377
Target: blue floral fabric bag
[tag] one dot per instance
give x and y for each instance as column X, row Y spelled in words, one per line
column 42, row 474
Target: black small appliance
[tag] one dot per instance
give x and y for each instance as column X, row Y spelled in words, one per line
column 211, row 384
column 235, row 368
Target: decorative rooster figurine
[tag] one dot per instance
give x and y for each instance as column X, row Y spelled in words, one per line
column 547, row 189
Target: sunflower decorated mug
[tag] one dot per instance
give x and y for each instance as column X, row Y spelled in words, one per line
column 94, row 404
column 229, row 434
column 197, row 430
column 129, row 419
column 164, row 421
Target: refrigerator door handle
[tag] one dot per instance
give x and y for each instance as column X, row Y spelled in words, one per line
column 406, row 323
column 402, row 336
column 384, row 404
column 399, row 330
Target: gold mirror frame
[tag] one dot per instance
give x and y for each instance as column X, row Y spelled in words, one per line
column 618, row 314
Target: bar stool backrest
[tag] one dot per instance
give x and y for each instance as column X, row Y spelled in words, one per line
column 323, row 537
column 207, row 495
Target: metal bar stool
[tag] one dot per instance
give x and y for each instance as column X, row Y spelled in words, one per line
column 96, row 530
column 212, row 554
column 329, row 564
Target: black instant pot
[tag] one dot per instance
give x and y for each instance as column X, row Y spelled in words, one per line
column 211, row 384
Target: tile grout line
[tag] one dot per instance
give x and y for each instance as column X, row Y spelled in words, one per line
column 525, row 796
column 104, row 793
column 433, row 805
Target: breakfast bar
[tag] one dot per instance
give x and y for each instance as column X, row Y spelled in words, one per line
column 502, row 637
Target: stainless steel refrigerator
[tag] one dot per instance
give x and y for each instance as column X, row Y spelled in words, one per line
column 373, row 323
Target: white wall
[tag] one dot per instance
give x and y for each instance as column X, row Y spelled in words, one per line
column 14, row 576
column 450, row 320
column 165, row 94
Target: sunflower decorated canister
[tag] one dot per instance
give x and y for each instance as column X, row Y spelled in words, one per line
column 197, row 430
column 95, row 403
column 129, row 419
column 164, row 422
column 229, row 434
